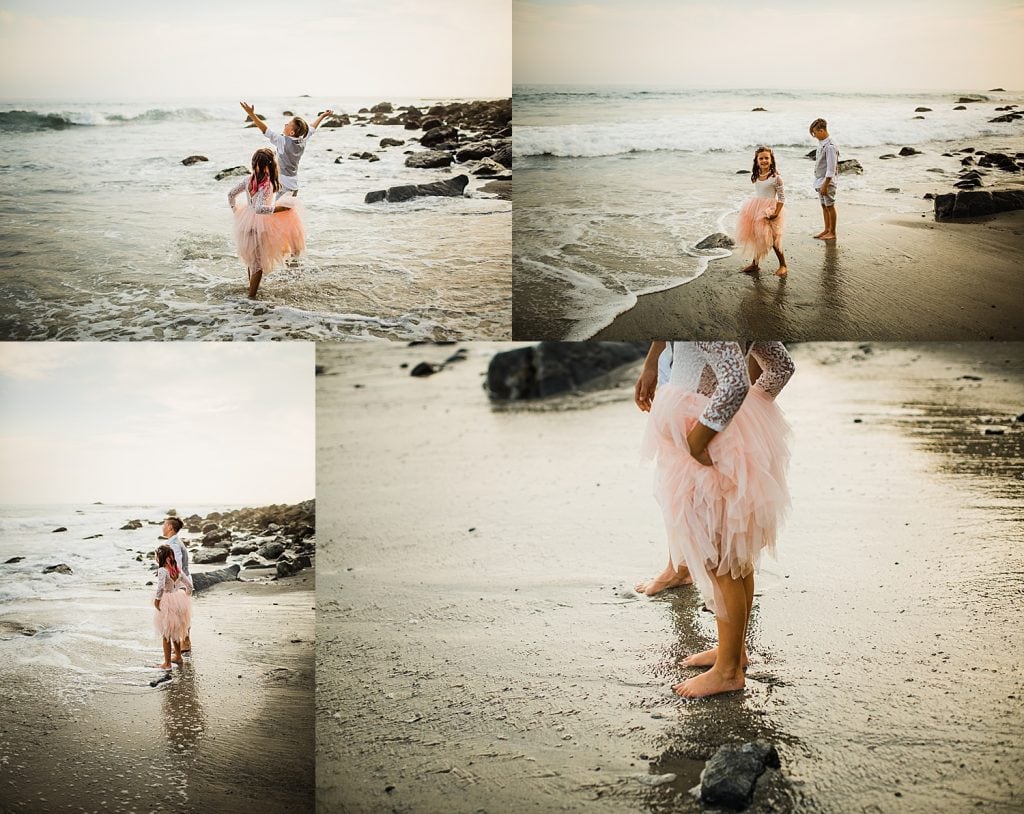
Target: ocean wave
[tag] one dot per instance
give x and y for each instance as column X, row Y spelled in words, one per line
column 28, row 120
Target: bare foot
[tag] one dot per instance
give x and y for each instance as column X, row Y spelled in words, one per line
column 177, row 661
column 782, row 272
column 165, row 666
column 709, row 683
column 827, row 236
column 665, row 580
column 707, row 659
column 750, row 269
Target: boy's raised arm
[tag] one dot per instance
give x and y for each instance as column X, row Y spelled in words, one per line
column 252, row 115
column 321, row 117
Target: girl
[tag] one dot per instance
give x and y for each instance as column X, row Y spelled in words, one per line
column 721, row 449
column 173, row 604
column 265, row 233
column 760, row 222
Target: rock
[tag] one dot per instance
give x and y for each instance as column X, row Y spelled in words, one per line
column 303, row 561
column 431, row 123
column 811, row 154
column 550, row 368
column 909, row 151
column 922, row 110
column 254, row 562
column 217, row 537
column 892, row 189
column 208, row 527
column 1000, row 160
column 503, row 156
column 336, row 120
column 758, row 110
column 62, row 568
column 500, row 189
column 391, row 142
column 193, row 159
column 888, row 155
column 452, row 188
column 428, row 159
column 13, row 560
column 382, row 107
column 486, row 168
column 271, row 551
column 131, row 525
column 850, row 165
column 201, row 582
column 729, row 777
column 966, row 100
column 59, row 528
column 972, row 204
column 935, row 169
column 929, row 196
column 287, row 113
column 918, row 117
column 424, row 369
column 997, row 90
column 966, row 150
column 437, row 135
column 476, row 151
column 243, row 548
column 285, row 568
column 1009, row 117
column 205, row 556
column 719, row 240
column 230, row 172
column 960, row 107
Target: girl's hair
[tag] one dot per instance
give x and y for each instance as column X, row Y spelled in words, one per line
column 755, row 171
column 165, row 559
column 301, row 128
column 264, row 168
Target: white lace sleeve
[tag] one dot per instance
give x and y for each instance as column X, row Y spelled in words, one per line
column 780, row 189
column 263, row 200
column 186, row 580
column 235, row 191
column 730, row 369
column 776, row 366
column 161, row 582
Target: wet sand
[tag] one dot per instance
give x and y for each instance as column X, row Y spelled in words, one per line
column 232, row 730
column 886, row 277
column 480, row 647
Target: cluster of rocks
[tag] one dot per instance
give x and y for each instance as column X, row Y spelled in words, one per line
column 552, row 368
column 730, row 776
column 430, row 368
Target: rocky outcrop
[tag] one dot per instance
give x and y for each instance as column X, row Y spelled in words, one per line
column 59, row 528
column 551, row 368
column 200, row 582
column 439, row 135
column 975, row 203
column 62, row 568
column 131, row 525
column 910, row 151
column 231, row 172
column 718, row 240
column 452, row 188
column 730, row 775
column 850, row 166
column 391, row 142
column 428, row 160
column 205, row 556
column 193, row 159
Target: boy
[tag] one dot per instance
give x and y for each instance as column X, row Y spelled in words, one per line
column 825, row 171
column 290, row 144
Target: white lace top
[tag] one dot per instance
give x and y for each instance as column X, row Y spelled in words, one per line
column 164, row 583
column 770, row 188
column 718, row 370
column 262, row 201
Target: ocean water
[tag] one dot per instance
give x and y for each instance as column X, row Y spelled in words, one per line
column 616, row 186
column 108, row 236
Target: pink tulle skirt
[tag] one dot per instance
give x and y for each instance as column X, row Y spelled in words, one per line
column 719, row 519
column 265, row 240
column 174, row 617
column 754, row 232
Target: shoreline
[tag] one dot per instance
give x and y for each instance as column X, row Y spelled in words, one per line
column 891, row 277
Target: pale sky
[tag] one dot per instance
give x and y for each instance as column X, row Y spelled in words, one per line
column 114, row 49
column 157, row 422
column 794, row 44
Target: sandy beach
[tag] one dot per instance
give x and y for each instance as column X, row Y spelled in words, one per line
column 84, row 730
column 480, row 647
column 886, row 277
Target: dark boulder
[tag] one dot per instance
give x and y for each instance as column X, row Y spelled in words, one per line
column 59, row 528
column 730, row 775
column 428, row 160
column 850, row 165
column 719, row 240
column 391, row 142
column 271, row 551
column 758, row 110
column 909, row 151
column 503, row 155
column 131, row 525
column 382, row 107
column 200, row 582
column 1009, row 117
column 550, row 368
column 193, row 159
column 231, row 172
column 450, row 188
column 216, row 537
column 476, row 151
column 438, row 135
column 966, row 100
column 972, row 204
column 922, row 110
column 888, row 155
column 13, row 560
column 205, row 556
column 960, row 107
column 62, row 568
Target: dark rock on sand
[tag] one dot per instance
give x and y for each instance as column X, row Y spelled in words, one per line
column 201, row 582
column 892, row 189
column 960, row 107
column 271, row 551
column 910, row 151
column 382, row 107
column 13, row 560
column 208, row 527
column 550, row 368
column 966, row 100
column 850, row 165
column 758, row 110
column 205, row 556
column 888, row 155
column 216, row 537
column 428, row 160
column 287, row 113
column 437, row 135
column 922, row 110
column 193, row 159
column 971, row 204
column 503, row 155
column 476, row 151
column 499, row 189
column 811, row 154
column 929, row 196
column 336, row 120
column 62, row 568
column 450, row 188
column 243, row 548
column 59, row 528
column 231, row 172
column 918, row 117
column 424, row 369
column 131, row 525
column 486, row 168
column 730, row 775
column 392, row 142
column 1001, row 160
column 967, row 161
column 1009, row 117
column 719, row 240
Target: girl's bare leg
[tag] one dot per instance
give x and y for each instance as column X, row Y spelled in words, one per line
column 167, row 655
column 671, row 577
column 782, row 261
column 254, row 282
column 177, row 653
column 707, row 658
column 726, row 675
column 751, row 268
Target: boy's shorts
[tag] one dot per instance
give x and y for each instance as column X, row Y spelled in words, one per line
column 830, row 199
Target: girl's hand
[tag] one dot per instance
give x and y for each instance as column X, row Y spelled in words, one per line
column 702, row 457
column 156, row 604
column 643, row 392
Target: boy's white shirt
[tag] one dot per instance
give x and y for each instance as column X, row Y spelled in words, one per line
column 288, row 182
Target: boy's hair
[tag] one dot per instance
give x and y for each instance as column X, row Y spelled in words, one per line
column 175, row 522
column 264, row 166
column 818, row 123
column 301, row 128
column 756, row 170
